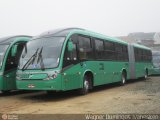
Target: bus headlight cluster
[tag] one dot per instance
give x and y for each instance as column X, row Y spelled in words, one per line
column 18, row 77
column 50, row 77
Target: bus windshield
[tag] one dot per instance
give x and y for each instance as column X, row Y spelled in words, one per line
column 46, row 50
column 3, row 49
column 156, row 59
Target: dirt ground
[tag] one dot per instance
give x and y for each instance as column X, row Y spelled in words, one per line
column 141, row 97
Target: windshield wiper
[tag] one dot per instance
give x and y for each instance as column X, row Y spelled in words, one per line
column 31, row 60
column 40, row 58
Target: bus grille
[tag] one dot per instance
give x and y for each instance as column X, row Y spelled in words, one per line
column 24, row 76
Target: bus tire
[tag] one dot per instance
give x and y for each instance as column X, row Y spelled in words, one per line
column 123, row 79
column 146, row 74
column 86, row 85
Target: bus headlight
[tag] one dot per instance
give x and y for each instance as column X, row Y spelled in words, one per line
column 18, row 78
column 54, row 75
column 50, row 77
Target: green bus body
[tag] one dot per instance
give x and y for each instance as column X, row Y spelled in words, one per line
column 9, row 61
column 99, row 58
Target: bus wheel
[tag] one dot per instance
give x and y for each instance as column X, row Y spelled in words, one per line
column 86, row 85
column 146, row 75
column 123, row 78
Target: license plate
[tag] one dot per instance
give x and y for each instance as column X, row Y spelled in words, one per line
column 31, row 86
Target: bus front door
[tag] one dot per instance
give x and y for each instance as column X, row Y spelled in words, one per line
column 71, row 70
column 9, row 80
column 71, row 77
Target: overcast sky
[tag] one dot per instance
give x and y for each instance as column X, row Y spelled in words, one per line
column 110, row 17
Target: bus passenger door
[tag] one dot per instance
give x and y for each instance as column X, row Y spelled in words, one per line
column 9, row 79
column 11, row 65
column 10, row 73
column 71, row 68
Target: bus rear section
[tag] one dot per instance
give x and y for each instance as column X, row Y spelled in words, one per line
column 140, row 61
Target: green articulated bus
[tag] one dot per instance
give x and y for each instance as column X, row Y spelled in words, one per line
column 74, row 58
column 10, row 52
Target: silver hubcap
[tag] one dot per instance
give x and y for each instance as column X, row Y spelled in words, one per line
column 86, row 85
column 145, row 75
column 123, row 79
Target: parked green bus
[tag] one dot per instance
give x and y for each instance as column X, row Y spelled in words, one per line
column 10, row 52
column 74, row 58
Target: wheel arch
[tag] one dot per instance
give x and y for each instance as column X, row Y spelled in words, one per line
column 146, row 70
column 90, row 74
column 125, row 71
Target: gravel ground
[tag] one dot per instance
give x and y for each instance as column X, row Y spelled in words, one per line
column 137, row 96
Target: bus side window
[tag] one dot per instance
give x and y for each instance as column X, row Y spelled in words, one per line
column 99, row 47
column 119, row 51
column 109, row 52
column 85, row 48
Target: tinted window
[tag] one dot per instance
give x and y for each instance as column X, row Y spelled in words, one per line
column 99, row 45
column 119, row 52
column 125, row 53
column 85, row 48
column 142, row 55
column 84, row 43
column 109, row 45
column 99, row 48
column 109, row 52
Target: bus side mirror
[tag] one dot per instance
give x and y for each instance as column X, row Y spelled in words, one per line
column 70, row 46
column 14, row 50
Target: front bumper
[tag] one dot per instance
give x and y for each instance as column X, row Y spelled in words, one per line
column 39, row 84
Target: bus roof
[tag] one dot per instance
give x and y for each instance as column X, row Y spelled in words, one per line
column 101, row 36
column 59, row 32
column 10, row 39
column 65, row 32
column 141, row 46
